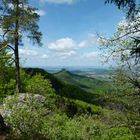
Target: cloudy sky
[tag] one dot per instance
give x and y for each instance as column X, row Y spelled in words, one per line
column 69, row 30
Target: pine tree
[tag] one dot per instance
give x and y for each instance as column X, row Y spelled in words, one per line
column 18, row 19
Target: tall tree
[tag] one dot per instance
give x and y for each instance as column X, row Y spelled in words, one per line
column 18, row 19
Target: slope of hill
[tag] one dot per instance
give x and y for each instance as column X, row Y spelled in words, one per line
column 68, row 90
column 83, row 82
column 57, row 84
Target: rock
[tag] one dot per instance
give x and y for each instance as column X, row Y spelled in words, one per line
column 20, row 101
column 39, row 98
column 23, row 96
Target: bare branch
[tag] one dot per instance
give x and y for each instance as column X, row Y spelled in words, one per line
column 11, row 47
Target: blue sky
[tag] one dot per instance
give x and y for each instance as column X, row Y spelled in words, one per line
column 69, row 29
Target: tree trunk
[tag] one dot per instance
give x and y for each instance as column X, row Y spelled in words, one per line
column 16, row 49
column 3, row 127
column 17, row 68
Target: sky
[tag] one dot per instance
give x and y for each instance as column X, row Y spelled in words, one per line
column 70, row 29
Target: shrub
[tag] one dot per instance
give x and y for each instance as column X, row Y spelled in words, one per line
column 38, row 85
column 33, row 120
column 25, row 117
column 7, row 88
column 118, row 133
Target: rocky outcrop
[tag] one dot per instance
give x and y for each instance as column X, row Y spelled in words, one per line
column 21, row 99
column 23, row 96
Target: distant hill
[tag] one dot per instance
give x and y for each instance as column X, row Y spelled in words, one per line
column 83, row 82
column 57, row 84
column 65, row 89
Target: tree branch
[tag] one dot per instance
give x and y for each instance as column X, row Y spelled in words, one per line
column 11, row 47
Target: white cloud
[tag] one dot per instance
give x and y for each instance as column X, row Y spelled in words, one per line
column 67, row 47
column 30, row 53
column 44, row 56
column 91, row 41
column 92, row 55
column 82, row 44
column 10, row 5
column 68, row 44
column 63, row 44
column 65, row 51
column 68, row 53
column 41, row 12
column 27, row 52
column 58, row 1
column 65, row 55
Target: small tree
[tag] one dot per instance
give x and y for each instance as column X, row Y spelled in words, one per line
column 121, row 47
column 18, row 19
column 5, row 61
column 132, row 9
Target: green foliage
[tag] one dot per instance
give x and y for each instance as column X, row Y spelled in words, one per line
column 64, row 89
column 73, row 107
column 60, row 127
column 120, row 133
column 56, row 84
column 25, row 118
column 17, row 22
column 57, row 118
column 7, row 84
column 8, row 88
column 38, row 85
column 7, row 81
column 18, row 18
column 33, row 119
column 123, row 47
column 83, row 82
column 88, row 108
column 62, row 118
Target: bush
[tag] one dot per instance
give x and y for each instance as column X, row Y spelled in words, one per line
column 38, row 85
column 25, row 117
column 121, row 133
column 7, row 88
column 33, row 120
